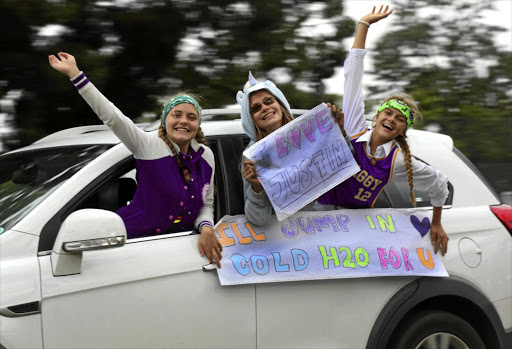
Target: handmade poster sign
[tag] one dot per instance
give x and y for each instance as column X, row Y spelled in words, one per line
column 302, row 160
column 328, row 245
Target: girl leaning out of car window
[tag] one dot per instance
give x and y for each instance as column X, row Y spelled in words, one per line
column 174, row 170
column 382, row 152
column 264, row 110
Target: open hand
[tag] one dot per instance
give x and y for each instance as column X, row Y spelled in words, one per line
column 66, row 64
column 374, row 16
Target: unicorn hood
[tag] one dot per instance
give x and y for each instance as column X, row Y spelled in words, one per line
column 242, row 97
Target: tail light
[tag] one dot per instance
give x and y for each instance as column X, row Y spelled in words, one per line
column 504, row 214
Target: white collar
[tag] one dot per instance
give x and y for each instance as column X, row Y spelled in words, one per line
column 386, row 148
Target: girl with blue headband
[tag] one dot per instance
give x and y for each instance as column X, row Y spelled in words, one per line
column 382, row 152
column 174, row 171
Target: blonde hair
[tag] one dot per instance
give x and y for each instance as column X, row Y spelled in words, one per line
column 199, row 137
column 402, row 140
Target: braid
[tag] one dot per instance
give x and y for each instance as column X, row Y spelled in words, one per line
column 163, row 136
column 402, row 142
column 342, row 128
column 200, row 137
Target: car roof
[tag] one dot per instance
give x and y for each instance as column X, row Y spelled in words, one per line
column 213, row 123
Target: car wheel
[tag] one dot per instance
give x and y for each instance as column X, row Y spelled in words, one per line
column 435, row 329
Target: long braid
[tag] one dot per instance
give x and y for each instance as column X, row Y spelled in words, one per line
column 200, row 137
column 402, row 142
column 163, row 136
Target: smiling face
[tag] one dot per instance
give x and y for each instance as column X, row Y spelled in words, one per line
column 269, row 117
column 389, row 124
column 182, row 124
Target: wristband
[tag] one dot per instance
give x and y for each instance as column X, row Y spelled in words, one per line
column 364, row 22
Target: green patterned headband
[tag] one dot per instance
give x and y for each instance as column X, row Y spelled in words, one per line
column 402, row 107
column 180, row 100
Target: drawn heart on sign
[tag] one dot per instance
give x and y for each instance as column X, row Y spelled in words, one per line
column 295, row 137
column 422, row 227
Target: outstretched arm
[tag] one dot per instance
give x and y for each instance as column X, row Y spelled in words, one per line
column 362, row 28
column 353, row 103
column 135, row 139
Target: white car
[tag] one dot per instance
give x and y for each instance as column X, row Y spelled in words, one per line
column 69, row 278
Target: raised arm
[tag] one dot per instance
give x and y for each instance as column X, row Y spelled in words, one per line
column 365, row 22
column 353, row 103
column 136, row 140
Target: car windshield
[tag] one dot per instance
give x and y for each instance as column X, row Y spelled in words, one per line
column 27, row 178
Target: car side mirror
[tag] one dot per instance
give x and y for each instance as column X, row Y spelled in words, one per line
column 85, row 230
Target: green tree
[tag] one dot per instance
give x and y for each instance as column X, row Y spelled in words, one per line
column 140, row 52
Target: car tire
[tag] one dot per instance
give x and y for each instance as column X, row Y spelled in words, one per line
column 435, row 329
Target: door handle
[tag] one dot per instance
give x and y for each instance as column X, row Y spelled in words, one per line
column 209, row 267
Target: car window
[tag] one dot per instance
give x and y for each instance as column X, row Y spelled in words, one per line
column 27, row 178
column 110, row 191
column 229, row 178
column 398, row 194
column 117, row 189
column 115, row 192
column 476, row 171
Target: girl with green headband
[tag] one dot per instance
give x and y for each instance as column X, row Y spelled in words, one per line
column 382, row 152
column 175, row 169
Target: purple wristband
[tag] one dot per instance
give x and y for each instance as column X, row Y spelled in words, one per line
column 202, row 224
column 78, row 78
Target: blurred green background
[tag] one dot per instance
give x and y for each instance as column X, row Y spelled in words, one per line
column 442, row 52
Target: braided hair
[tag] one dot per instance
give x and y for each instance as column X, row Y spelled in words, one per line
column 402, row 143
column 402, row 140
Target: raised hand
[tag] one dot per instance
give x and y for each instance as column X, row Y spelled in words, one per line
column 66, row 64
column 374, row 16
column 365, row 22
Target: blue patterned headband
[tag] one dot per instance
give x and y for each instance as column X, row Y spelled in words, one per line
column 180, row 100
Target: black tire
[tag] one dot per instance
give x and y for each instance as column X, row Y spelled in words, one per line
column 432, row 326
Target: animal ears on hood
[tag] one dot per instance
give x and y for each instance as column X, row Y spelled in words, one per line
column 250, row 82
column 242, row 97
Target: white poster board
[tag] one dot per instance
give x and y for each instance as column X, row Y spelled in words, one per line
column 328, row 245
column 302, row 160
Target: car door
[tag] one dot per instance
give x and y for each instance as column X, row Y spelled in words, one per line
column 150, row 293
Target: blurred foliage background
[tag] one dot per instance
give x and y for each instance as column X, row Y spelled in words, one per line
column 140, row 52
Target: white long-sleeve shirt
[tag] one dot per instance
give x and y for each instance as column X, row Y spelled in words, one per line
column 426, row 178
